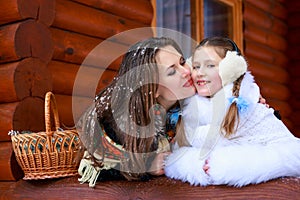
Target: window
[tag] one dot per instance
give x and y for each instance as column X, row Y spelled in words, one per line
column 200, row 18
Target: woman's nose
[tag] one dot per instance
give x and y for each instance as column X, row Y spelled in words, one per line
column 185, row 70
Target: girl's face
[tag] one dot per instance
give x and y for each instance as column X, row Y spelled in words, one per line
column 175, row 81
column 205, row 71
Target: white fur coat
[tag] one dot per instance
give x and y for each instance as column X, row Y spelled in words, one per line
column 261, row 149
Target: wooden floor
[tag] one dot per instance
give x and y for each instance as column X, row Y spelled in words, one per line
column 157, row 188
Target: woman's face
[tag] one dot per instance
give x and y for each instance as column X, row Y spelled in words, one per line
column 205, row 71
column 175, row 81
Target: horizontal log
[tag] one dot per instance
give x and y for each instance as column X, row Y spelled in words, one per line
column 89, row 80
column 294, row 71
column 86, row 20
column 138, row 10
column 70, row 108
column 293, row 20
column 272, row 7
column 270, row 89
column 265, row 54
column 25, row 39
column 156, row 188
column 296, row 131
column 17, row 10
column 22, row 79
column 25, row 115
column 294, row 84
column 293, row 6
column 76, row 48
column 265, row 37
column 10, row 169
column 283, row 107
column 263, row 20
column 295, row 103
column 269, row 72
column 292, row 37
column 293, row 53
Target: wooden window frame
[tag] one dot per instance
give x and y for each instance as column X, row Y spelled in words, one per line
column 197, row 20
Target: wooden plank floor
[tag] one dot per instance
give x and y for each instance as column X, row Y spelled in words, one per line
column 157, row 188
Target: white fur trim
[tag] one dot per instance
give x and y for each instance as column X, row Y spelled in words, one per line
column 185, row 164
column 240, row 165
column 232, row 67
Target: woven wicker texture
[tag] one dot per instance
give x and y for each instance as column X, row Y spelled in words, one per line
column 49, row 154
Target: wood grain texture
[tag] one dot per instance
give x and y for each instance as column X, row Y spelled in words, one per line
column 272, row 6
column 24, row 115
column 87, row 20
column 264, row 53
column 10, row 169
column 138, row 10
column 17, row 10
column 76, row 48
column 28, row 77
column 265, row 37
column 267, row 71
column 157, row 188
column 263, row 19
column 25, row 39
column 89, row 80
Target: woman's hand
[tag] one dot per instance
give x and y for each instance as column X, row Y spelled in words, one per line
column 263, row 101
column 158, row 164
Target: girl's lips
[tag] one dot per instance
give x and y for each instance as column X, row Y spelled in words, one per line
column 188, row 83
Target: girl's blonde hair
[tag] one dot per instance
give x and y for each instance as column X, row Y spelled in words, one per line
column 221, row 46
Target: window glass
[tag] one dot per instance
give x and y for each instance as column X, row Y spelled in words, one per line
column 217, row 19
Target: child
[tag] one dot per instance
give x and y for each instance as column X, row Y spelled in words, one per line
column 233, row 139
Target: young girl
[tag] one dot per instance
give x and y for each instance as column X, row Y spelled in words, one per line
column 233, row 139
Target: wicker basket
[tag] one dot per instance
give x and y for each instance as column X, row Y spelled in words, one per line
column 49, row 154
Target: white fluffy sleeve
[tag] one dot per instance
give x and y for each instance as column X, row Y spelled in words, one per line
column 239, row 165
column 185, row 164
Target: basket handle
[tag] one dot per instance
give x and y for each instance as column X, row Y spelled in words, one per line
column 51, row 103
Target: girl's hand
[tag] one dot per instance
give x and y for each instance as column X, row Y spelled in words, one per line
column 158, row 164
column 206, row 167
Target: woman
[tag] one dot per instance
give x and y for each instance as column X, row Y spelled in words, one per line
column 128, row 130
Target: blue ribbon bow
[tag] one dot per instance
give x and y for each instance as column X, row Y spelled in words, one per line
column 241, row 103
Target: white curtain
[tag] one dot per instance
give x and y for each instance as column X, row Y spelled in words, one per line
column 175, row 15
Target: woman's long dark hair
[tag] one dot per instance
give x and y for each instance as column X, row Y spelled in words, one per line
column 125, row 107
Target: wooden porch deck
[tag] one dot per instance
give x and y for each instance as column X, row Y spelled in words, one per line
column 157, row 188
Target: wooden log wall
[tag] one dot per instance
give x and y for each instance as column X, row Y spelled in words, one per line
column 265, row 43
column 293, row 53
column 26, row 48
column 43, row 44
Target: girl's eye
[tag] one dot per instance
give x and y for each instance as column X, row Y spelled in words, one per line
column 210, row 66
column 172, row 71
column 182, row 61
column 196, row 67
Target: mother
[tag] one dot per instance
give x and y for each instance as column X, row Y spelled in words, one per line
column 127, row 133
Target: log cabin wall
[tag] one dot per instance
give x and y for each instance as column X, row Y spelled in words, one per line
column 266, row 45
column 42, row 46
column 293, row 53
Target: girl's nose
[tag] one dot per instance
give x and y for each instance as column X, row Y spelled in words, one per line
column 200, row 71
